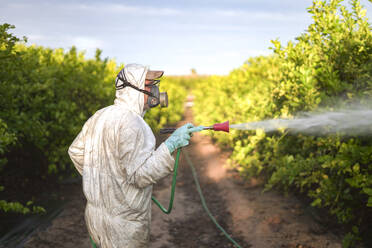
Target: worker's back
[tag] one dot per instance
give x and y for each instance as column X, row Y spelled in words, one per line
column 111, row 197
column 115, row 153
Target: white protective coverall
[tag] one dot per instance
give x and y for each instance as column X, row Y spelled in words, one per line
column 115, row 153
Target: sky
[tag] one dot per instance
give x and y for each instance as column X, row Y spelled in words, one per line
column 211, row 36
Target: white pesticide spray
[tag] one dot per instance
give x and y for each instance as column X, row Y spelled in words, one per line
column 348, row 122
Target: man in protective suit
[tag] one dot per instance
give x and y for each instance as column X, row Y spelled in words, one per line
column 115, row 154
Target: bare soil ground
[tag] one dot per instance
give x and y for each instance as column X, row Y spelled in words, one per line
column 253, row 218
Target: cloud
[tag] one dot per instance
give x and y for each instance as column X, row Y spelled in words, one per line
column 87, row 43
column 246, row 53
column 36, row 37
column 262, row 15
column 139, row 10
column 146, row 10
column 110, row 8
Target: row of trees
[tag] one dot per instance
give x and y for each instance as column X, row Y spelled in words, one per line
column 329, row 65
column 46, row 96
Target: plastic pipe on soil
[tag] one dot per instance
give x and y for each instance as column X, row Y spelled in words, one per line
column 204, row 204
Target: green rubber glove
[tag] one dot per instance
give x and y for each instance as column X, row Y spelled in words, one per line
column 181, row 136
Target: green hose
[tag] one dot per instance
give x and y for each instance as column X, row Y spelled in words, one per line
column 92, row 242
column 204, row 203
column 170, row 206
column 199, row 191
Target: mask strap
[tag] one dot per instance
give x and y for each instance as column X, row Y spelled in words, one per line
column 126, row 83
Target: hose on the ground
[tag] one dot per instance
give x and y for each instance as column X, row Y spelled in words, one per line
column 193, row 170
column 204, row 204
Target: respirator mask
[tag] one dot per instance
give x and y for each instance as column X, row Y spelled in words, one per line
column 155, row 97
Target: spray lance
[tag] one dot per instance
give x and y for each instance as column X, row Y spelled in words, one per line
column 224, row 127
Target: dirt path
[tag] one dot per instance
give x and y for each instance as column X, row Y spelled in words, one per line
column 254, row 219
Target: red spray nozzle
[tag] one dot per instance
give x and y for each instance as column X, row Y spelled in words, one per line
column 224, row 126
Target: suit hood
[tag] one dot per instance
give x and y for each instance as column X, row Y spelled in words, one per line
column 128, row 97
